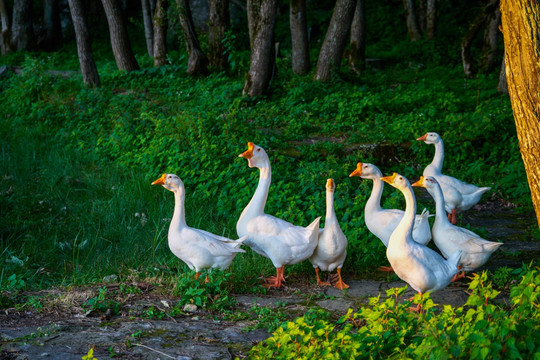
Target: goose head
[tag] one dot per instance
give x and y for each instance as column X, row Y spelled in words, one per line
column 398, row 181
column 330, row 185
column 366, row 171
column 255, row 155
column 170, row 182
column 430, row 138
column 427, row 182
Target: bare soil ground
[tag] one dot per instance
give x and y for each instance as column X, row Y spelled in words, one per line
column 64, row 330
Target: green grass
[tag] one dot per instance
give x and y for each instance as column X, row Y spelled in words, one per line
column 77, row 163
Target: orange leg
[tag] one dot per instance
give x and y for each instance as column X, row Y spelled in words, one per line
column 319, row 281
column 452, row 217
column 197, row 274
column 340, row 284
column 418, row 307
column 459, row 275
column 386, row 268
column 276, row 281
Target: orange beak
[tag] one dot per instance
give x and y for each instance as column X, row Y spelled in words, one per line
column 389, row 179
column 248, row 154
column 423, row 137
column 357, row 171
column 420, row 182
column 330, row 184
column 160, row 181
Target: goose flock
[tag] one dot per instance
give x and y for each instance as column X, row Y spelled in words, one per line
column 404, row 232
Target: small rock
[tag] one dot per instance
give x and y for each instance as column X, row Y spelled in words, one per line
column 110, row 278
column 190, row 308
column 180, row 357
column 45, row 354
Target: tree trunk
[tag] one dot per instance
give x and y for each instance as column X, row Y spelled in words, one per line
column 412, row 21
column 52, row 40
column 357, row 47
column 261, row 22
column 335, row 39
column 5, row 39
column 431, row 18
column 197, row 61
column 84, row 49
column 521, row 31
column 123, row 53
column 148, row 28
column 478, row 24
column 502, row 86
column 22, row 32
column 299, row 37
column 160, row 33
column 491, row 36
column 219, row 21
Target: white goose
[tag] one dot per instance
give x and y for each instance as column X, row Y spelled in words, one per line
column 199, row 249
column 280, row 241
column 332, row 246
column 422, row 268
column 449, row 238
column 458, row 196
column 382, row 222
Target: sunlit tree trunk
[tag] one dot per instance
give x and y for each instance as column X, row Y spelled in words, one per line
column 21, row 28
column 217, row 26
column 335, row 39
column 84, row 49
column 412, row 20
column 197, row 61
column 261, row 22
column 148, row 26
column 521, row 31
column 299, row 37
column 357, row 46
column 160, row 32
column 5, row 40
column 121, row 47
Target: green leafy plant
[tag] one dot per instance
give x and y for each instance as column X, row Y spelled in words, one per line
column 101, row 303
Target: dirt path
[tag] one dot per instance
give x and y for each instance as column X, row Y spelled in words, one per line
column 62, row 333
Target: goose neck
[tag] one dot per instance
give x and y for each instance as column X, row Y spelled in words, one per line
column 179, row 216
column 440, row 211
column 258, row 201
column 406, row 223
column 374, row 201
column 330, row 211
column 438, row 158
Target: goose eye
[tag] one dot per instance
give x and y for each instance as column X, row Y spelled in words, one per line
column 259, row 149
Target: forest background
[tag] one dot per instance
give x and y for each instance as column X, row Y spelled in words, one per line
column 79, row 153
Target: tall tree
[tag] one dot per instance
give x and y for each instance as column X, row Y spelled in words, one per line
column 335, row 39
column 52, row 39
column 431, row 18
column 412, row 20
column 84, row 49
column 123, row 53
column 5, row 39
column 160, row 32
column 148, row 26
column 357, row 46
column 521, row 32
column 299, row 37
column 197, row 61
column 21, row 28
column 491, row 37
column 261, row 23
column 218, row 24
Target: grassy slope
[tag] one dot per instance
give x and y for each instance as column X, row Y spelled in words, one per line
column 77, row 163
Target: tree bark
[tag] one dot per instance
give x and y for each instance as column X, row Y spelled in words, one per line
column 491, row 36
column 521, row 32
column 21, row 29
column 123, row 53
column 197, row 61
column 335, row 39
column 52, row 39
column 478, row 24
column 84, row 49
column 160, row 33
column 5, row 39
column 431, row 18
column 148, row 28
column 261, row 23
column 412, row 21
column 357, row 46
column 299, row 37
column 219, row 21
